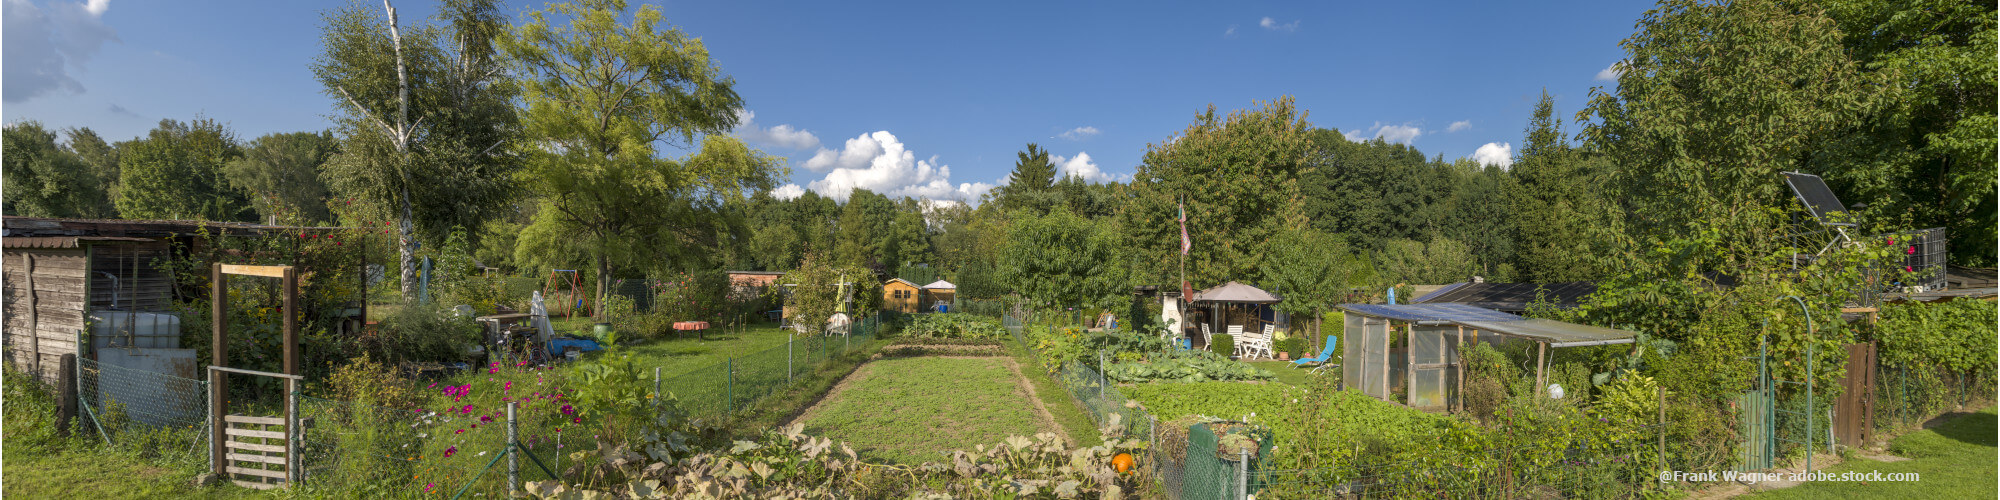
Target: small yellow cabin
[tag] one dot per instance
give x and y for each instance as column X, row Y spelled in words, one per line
column 900, row 295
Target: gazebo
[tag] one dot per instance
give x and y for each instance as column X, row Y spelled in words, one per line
column 1249, row 304
column 1428, row 368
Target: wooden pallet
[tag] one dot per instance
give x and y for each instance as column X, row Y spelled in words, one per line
column 256, row 455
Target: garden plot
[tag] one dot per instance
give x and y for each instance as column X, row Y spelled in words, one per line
column 909, row 410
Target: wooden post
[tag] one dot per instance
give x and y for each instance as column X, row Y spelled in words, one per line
column 1410, row 364
column 1662, row 431
column 291, row 284
column 513, row 452
column 1385, row 358
column 34, row 320
column 1541, row 366
column 218, row 385
column 66, row 389
column 1459, row 402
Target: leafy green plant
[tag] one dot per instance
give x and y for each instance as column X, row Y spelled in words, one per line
column 954, row 326
column 1187, row 369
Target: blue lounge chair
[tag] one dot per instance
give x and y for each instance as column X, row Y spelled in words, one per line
column 1324, row 356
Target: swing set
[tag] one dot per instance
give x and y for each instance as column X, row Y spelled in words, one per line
column 558, row 278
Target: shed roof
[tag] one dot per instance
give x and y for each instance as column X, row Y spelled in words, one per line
column 900, row 280
column 940, row 285
column 1509, row 296
column 1236, row 292
column 1429, row 312
column 1556, row 333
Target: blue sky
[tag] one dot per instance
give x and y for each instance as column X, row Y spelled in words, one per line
column 928, row 99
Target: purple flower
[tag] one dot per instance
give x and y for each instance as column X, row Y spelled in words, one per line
column 448, row 452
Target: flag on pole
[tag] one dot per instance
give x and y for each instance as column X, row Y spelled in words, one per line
column 1185, row 243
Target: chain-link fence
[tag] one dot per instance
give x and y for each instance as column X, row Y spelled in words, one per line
column 360, row 448
column 723, row 388
column 154, row 415
column 1909, row 396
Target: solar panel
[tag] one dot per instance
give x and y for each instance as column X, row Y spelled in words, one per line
column 1812, row 191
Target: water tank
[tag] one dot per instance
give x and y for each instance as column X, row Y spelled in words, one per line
column 149, row 330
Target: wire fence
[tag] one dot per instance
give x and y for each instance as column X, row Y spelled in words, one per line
column 734, row 384
column 153, row 415
column 1909, row 396
column 357, row 448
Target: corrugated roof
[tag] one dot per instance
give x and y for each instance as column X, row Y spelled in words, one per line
column 1429, row 312
column 61, row 241
column 1556, row 333
column 1509, row 296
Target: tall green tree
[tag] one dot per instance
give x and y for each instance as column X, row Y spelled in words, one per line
column 1567, row 230
column 1062, row 260
column 1716, row 99
column 426, row 119
column 1439, row 261
column 1028, row 187
column 1927, row 153
column 864, row 232
column 101, row 158
column 46, row 180
column 281, row 173
column 1311, row 270
column 177, row 173
column 1239, row 176
column 601, row 97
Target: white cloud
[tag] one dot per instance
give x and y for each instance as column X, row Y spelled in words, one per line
column 42, row 47
column 1230, row 32
column 788, row 191
column 1080, row 133
column 880, row 163
column 1081, row 167
column 1404, row 134
column 1459, row 125
column 1273, row 25
column 1610, row 73
column 1499, row 154
column 782, row 135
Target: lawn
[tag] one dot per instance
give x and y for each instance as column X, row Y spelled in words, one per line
column 909, row 410
column 1953, row 460
column 1296, row 377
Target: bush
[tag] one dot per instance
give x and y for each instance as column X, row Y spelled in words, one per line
column 1222, row 344
column 954, row 326
column 1185, row 369
column 1296, row 346
column 423, row 332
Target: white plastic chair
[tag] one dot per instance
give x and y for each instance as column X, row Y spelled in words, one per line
column 1236, row 339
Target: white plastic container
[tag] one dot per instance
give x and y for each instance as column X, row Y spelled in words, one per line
column 149, row 330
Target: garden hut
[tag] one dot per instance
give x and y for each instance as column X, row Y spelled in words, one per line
column 1236, row 303
column 900, row 295
column 1427, row 366
column 939, row 295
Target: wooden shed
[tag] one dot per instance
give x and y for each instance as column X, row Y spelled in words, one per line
column 59, row 273
column 900, row 295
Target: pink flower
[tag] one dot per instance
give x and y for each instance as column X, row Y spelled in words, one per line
column 567, row 410
column 578, row 420
column 448, row 452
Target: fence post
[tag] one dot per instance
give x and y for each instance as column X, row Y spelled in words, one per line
column 1243, row 473
column 294, row 470
column 513, row 452
column 1663, row 426
column 656, row 386
column 789, row 339
column 66, row 388
column 730, row 388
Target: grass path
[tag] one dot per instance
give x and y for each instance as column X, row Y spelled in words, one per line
column 908, row 410
column 1954, row 460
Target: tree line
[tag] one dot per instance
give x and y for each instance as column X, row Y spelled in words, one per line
column 544, row 144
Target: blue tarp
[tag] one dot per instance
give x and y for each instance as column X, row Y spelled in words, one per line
column 557, row 346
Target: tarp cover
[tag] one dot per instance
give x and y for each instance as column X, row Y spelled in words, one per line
column 1556, row 333
column 1429, row 312
column 1237, row 293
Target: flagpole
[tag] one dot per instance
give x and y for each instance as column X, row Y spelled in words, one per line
column 1185, row 300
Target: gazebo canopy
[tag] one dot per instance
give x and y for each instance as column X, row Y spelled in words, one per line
column 940, row 285
column 1236, row 293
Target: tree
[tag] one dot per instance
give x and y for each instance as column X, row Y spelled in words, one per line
column 864, row 227
column 600, row 97
column 1028, row 187
column 281, row 173
column 1311, row 270
column 816, row 290
column 1442, row 260
column 1927, row 153
column 426, row 117
column 176, row 173
column 1239, row 175
column 1061, row 260
column 101, row 158
column 45, row 180
column 1567, row 231
column 1716, row 99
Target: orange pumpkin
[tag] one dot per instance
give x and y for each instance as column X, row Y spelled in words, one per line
column 1123, row 462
